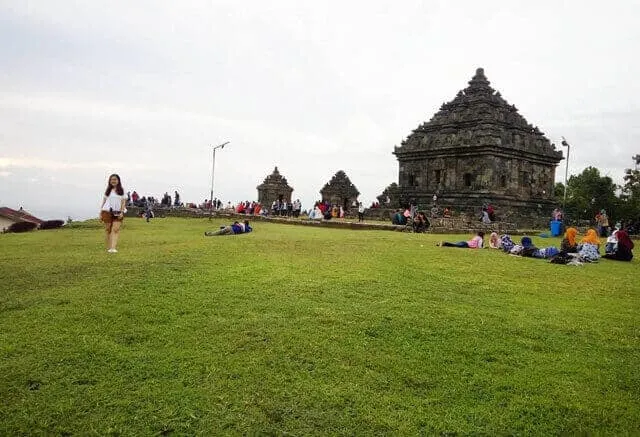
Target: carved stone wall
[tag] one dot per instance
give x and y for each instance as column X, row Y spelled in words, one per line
column 274, row 187
column 478, row 149
column 340, row 191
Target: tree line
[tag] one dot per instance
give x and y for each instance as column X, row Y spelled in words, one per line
column 590, row 192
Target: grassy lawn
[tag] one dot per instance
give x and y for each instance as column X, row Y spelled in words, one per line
column 305, row 331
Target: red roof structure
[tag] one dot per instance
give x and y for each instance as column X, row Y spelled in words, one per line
column 19, row 216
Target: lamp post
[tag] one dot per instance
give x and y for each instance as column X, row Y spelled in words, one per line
column 213, row 169
column 566, row 174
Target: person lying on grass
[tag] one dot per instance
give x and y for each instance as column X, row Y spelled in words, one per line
column 475, row 243
column 494, row 241
column 235, row 228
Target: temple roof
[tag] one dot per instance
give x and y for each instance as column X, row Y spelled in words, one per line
column 340, row 183
column 479, row 116
column 274, row 179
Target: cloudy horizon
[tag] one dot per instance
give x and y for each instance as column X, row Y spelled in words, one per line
column 145, row 88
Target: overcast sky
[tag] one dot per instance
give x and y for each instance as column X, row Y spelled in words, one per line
column 142, row 87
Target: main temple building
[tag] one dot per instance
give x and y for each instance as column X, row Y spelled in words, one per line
column 477, row 149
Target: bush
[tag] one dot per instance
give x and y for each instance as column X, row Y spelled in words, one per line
column 22, row 227
column 87, row 224
column 52, row 224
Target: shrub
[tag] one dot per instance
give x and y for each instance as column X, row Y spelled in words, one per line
column 52, row 224
column 87, row 224
column 22, row 227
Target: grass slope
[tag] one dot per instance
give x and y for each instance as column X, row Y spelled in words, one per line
column 309, row 331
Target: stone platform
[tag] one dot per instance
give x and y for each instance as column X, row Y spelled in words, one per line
column 453, row 225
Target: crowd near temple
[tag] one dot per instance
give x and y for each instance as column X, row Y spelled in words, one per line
column 476, row 156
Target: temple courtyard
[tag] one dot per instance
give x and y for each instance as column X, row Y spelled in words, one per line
column 297, row 330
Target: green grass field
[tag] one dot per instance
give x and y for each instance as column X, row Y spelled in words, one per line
column 308, row 331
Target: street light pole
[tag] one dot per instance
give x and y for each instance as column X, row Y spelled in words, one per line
column 213, row 169
column 566, row 174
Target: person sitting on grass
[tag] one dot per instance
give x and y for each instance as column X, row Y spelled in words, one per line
column 475, row 243
column 623, row 249
column 420, row 223
column 235, row 228
column 612, row 243
column 398, row 218
column 591, row 237
column 588, row 249
column 568, row 244
column 316, row 213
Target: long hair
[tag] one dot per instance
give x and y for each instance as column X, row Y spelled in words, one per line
column 119, row 188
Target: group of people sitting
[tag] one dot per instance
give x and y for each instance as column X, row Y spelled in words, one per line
column 618, row 246
column 419, row 223
column 401, row 217
column 250, row 208
column 326, row 211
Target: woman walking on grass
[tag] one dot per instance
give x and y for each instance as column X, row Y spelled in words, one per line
column 112, row 211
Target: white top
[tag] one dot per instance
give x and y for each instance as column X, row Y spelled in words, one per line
column 361, row 209
column 114, row 201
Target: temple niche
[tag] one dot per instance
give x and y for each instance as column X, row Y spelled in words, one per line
column 478, row 149
column 340, row 191
column 274, row 187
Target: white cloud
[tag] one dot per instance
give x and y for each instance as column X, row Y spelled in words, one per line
column 143, row 88
column 35, row 163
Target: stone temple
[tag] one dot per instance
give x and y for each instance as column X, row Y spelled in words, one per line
column 274, row 187
column 340, row 191
column 478, row 149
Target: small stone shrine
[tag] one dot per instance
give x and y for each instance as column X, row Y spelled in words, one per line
column 274, row 187
column 340, row 191
column 477, row 149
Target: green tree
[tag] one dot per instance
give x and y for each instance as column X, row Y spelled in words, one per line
column 590, row 192
column 558, row 192
column 630, row 196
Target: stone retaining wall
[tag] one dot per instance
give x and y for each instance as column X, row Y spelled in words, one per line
column 454, row 225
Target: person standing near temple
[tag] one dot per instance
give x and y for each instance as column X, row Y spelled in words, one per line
column 360, row 212
column 491, row 213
